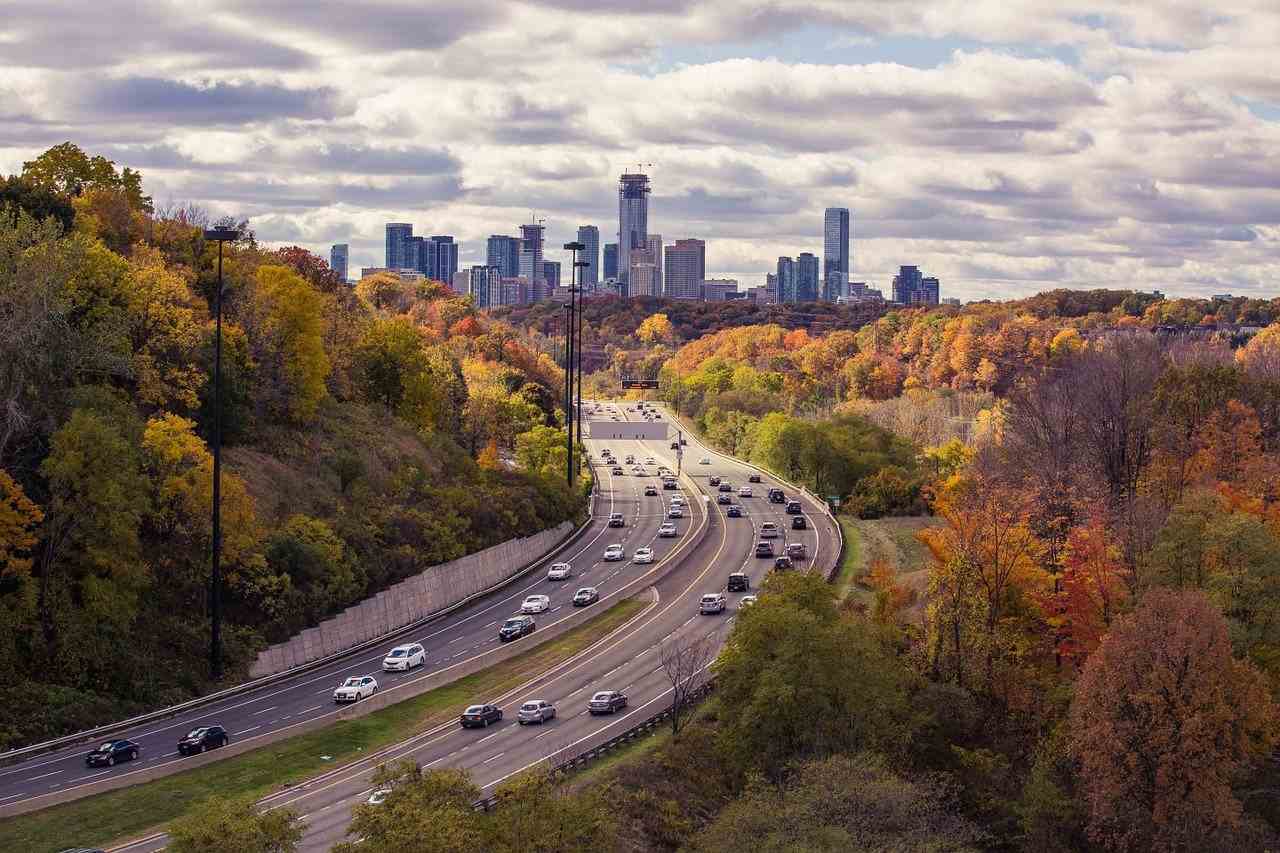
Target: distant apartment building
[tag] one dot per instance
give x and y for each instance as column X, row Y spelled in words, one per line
column 589, row 276
column 399, row 236
column 633, row 217
column 515, row 291
column 911, row 287
column 404, row 275
column 461, row 282
column 642, row 278
column 719, row 289
column 609, row 261
column 951, row 300
column 786, row 280
column 807, row 277
column 653, row 244
column 857, row 291
column 503, row 252
column 551, row 273
column 531, row 269
column 771, row 286
column 442, row 258
column 835, row 252
column 481, row 284
column 685, row 265
column 339, row 257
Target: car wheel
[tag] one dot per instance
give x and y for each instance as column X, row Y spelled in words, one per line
column 484, row 724
column 133, row 755
column 201, row 748
column 225, row 740
column 111, row 761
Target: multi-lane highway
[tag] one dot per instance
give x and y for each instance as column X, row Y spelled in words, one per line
column 683, row 570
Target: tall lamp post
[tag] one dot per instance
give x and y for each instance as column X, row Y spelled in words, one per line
column 223, row 236
column 582, row 304
column 571, row 332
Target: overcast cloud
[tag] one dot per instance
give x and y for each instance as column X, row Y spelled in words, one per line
column 1006, row 146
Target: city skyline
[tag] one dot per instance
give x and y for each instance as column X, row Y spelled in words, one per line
column 1032, row 146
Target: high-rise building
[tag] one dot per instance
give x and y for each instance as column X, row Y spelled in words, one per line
column 786, row 280
column 480, row 285
column 443, row 258
column 551, row 273
column 531, row 255
column 503, row 252
column 907, row 281
column 653, row 244
column 931, row 289
column 610, row 260
column 719, row 289
column 835, row 252
column 339, row 258
column 399, row 234
column 633, row 217
column 642, row 278
column 771, row 286
column 685, row 266
column 807, row 277
column 589, row 276
column 415, row 255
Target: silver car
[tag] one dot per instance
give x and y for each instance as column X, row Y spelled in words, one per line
column 535, row 711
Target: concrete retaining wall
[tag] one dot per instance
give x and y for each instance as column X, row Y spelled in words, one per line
column 410, row 600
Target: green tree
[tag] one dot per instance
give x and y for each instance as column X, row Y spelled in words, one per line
column 534, row 814
column 287, row 332
column 221, row 825
column 542, row 451
column 427, row 812
column 321, row 571
column 69, row 171
column 19, row 195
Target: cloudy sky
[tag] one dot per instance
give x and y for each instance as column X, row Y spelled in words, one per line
column 1007, row 146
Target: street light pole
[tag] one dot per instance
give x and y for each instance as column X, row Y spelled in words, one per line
column 582, row 298
column 223, row 236
column 571, row 347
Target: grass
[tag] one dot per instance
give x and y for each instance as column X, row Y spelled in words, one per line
column 132, row 812
column 853, row 563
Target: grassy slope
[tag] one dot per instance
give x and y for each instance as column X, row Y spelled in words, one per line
column 131, row 812
column 892, row 540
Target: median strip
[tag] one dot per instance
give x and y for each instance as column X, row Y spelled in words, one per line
column 129, row 812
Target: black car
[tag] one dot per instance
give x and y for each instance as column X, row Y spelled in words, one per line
column 794, row 508
column 112, row 752
column 669, row 484
column 480, row 716
column 739, row 582
column 764, row 549
column 776, row 496
column 585, row 596
column 734, row 511
column 753, row 478
column 650, row 491
column 723, row 499
column 515, row 628
column 726, row 487
column 607, row 702
column 798, row 523
column 714, row 481
column 783, row 564
column 617, row 471
column 205, row 737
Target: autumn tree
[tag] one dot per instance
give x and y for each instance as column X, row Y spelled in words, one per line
column 223, row 825
column 1163, row 717
column 68, row 170
column 165, row 334
column 1091, row 590
column 655, row 329
column 284, row 319
column 19, row 520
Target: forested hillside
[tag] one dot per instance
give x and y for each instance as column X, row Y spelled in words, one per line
column 367, row 434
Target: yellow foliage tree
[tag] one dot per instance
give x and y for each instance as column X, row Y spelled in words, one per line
column 656, row 328
column 290, row 337
column 165, row 330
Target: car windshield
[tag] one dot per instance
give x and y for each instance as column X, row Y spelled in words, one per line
column 196, row 733
column 351, row 682
column 513, row 623
column 601, row 697
column 106, row 747
column 475, row 709
column 529, row 706
column 398, row 653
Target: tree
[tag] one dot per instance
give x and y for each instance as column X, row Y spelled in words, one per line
column 542, row 451
column 1162, row 719
column 287, row 331
column 425, row 811
column 655, row 329
column 19, row 195
column 165, row 332
column 685, row 663
column 67, row 170
column 19, row 520
column 534, row 815
column 221, row 825
column 1091, row 591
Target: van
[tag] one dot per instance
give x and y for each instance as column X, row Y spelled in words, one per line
column 739, row 582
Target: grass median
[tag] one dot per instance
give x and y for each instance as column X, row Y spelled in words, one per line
column 853, row 564
column 132, row 812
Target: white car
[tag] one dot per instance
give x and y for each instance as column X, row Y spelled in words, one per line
column 706, row 460
column 668, row 530
column 536, row 604
column 747, row 601
column 768, row 530
column 643, row 555
column 650, row 461
column 560, row 572
column 355, row 688
column 404, row 658
column 614, row 553
column 379, row 796
column 744, row 491
column 675, row 511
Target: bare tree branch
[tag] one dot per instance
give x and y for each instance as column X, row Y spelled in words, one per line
column 685, row 663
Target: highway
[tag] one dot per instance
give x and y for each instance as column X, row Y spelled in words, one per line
column 628, row 661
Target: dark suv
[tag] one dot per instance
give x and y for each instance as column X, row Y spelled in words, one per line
column 516, row 627
column 798, row 523
column 739, row 582
column 776, row 496
column 794, row 508
column 783, row 564
column 205, row 737
column 753, row 478
column 764, row 549
column 713, row 481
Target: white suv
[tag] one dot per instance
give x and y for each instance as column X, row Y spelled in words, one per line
column 768, row 530
column 404, row 658
column 614, row 553
column 712, row 602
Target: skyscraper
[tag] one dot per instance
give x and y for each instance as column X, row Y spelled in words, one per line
column 771, row 286
column 786, row 282
column 807, row 277
column 339, row 257
column 417, row 254
column 610, row 260
column 835, row 252
column 481, row 285
column 398, row 236
column 503, row 252
column 531, row 260
column 685, row 268
column 906, row 282
column 633, row 217
column 642, row 278
column 551, row 273
column 589, row 276
column 443, row 256
column 653, row 245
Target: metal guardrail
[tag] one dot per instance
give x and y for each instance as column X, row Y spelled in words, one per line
column 15, row 755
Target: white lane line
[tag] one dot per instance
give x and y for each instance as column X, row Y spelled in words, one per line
column 309, row 710
column 246, row 731
column 486, row 737
column 41, row 776
column 493, row 758
column 263, row 711
column 9, row 797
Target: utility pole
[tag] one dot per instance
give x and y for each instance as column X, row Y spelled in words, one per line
column 571, row 332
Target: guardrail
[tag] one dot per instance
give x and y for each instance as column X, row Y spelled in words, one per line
column 16, row 755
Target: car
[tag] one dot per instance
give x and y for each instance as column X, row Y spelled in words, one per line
column 614, row 553
column 747, row 601
column 535, row 711
column 753, row 478
column 799, row 523
column 631, row 459
column 706, row 460
column 650, row 461
column 783, row 564
column 642, row 555
column 586, row 595
column 516, row 627
column 404, row 658
column 200, row 739
column 794, row 508
column 606, row 451
column 112, row 752
column 797, row 551
column 379, row 796
column 677, row 500
column 777, row 496
column 480, row 716
column 650, row 491
column 713, row 481
column 676, row 511
column 738, row 582
column 764, row 549
column 535, row 604
column 617, row 471
column 733, row 511
column 768, row 530
column 726, row 487
column 712, row 603
column 723, row 499
column 615, row 519
column 355, row 688
column 744, row 491
column 667, row 530
column 607, row 702
column 657, row 416
column 668, row 483
column 560, row 572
